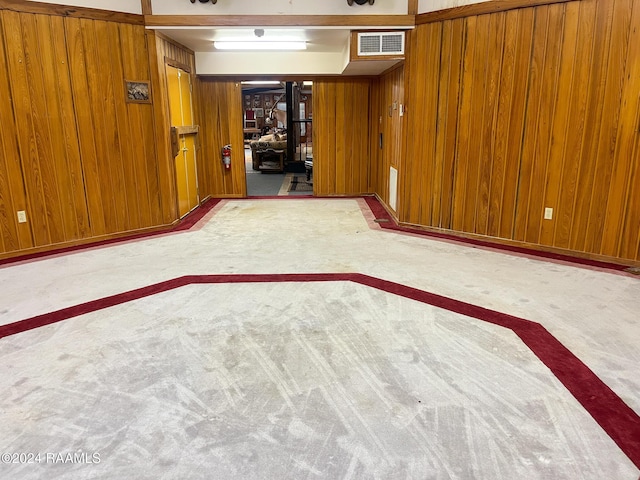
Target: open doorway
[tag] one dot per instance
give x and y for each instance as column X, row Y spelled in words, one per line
column 278, row 133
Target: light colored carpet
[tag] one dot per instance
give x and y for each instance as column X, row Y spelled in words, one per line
column 306, row 380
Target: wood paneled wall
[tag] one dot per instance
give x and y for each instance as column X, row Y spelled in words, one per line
column 341, row 133
column 221, row 117
column 513, row 112
column 74, row 155
column 387, row 98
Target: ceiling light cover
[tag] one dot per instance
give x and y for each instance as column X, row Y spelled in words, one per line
column 260, row 45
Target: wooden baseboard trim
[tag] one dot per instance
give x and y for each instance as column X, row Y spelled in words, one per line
column 498, row 243
column 187, row 222
column 85, row 242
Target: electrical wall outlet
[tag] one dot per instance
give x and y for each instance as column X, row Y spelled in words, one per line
column 22, row 216
column 548, row 213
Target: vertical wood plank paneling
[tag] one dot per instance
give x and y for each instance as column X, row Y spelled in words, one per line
column 615, row 69
column 517, row 116
column 76, row 157
column 331, row 114
column 624, row 193
column 113, row 143
column 98, row 134
column 137, row 144
column 221, row 123
column 532, row 119
column 375, row 182
column 323, row 158
column 496, row 129
column 430, row 112
column 441, row 123
column 575, row 135
column 464, row 125
column 450, row 133
column 363, row 149
column 236, row 116
column 340, row 152
column 68, row 138
column 593, row 123
column 480, row 79
column 55, row 179
column 125, row 161
column 406, row 177
column 145, row 118
column 15, row 236
column 166, row 173
column 385, row 93
column 20, row 92
column 561, row 123
column 542, row 112
column 84, row 121
column 490, row 117
column 547, row 117
column 503, row 124
column 629, row 143
column 341, row 136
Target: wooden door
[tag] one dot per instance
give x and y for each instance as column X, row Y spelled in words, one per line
column 181, row 112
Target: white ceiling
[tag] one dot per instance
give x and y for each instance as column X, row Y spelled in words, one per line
column 327, row 52
column 200, row 39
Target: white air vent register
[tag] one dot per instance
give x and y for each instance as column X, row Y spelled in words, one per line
column 384, row 43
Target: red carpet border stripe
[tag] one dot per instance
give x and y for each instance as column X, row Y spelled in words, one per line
column 620, row 422
column 187, row 223
column 380, row 212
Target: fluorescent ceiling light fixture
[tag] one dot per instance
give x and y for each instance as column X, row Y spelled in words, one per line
column 260, row 45
column 261, row 82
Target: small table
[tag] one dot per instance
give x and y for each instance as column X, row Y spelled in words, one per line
column 264, row 156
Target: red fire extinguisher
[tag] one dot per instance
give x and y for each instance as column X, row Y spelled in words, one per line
column 226, row 157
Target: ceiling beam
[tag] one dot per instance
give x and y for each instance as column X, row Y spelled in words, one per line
column 481, row 8
column 370, row 21
column 146, row 7
column 69, row 11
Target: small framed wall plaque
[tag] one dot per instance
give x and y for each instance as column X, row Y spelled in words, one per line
column 138, row 91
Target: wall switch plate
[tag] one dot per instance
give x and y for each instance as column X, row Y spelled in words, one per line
column 548, row 213
column 22, row 216
column 401, row 110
